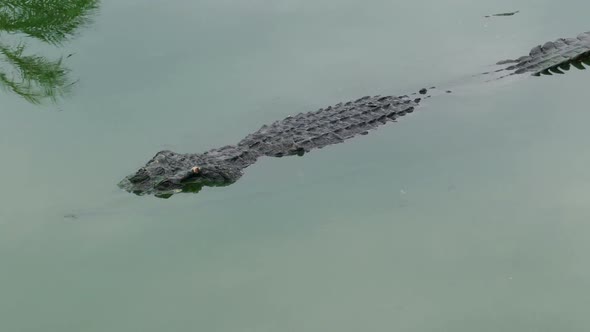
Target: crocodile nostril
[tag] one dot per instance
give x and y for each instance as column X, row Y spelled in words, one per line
column 165, row 184
column 140, row 176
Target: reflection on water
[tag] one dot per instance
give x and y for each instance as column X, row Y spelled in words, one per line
column 34, row 76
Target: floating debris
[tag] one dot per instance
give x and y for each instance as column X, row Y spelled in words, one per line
column 504, row 14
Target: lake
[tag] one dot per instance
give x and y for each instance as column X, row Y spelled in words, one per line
column 470, row 214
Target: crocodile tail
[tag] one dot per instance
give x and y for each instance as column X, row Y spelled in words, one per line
column 553, row 57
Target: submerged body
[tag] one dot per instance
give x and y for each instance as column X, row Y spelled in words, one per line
column 168, row 172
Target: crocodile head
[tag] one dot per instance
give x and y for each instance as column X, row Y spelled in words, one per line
column 168, row 173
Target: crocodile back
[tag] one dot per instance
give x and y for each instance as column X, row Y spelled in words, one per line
column 296, row 135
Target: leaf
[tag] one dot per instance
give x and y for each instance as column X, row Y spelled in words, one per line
column 34, row 77
column 52, row 21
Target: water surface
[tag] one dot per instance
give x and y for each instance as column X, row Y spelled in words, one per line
column 469, row 215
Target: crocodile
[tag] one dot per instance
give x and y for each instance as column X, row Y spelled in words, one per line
column 168, row 172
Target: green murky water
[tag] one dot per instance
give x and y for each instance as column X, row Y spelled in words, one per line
column 469, row 215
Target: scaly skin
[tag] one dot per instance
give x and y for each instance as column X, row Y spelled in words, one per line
column 552, row 57
column 169, row 172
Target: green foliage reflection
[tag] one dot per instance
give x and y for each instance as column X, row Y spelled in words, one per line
column 33, row 76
